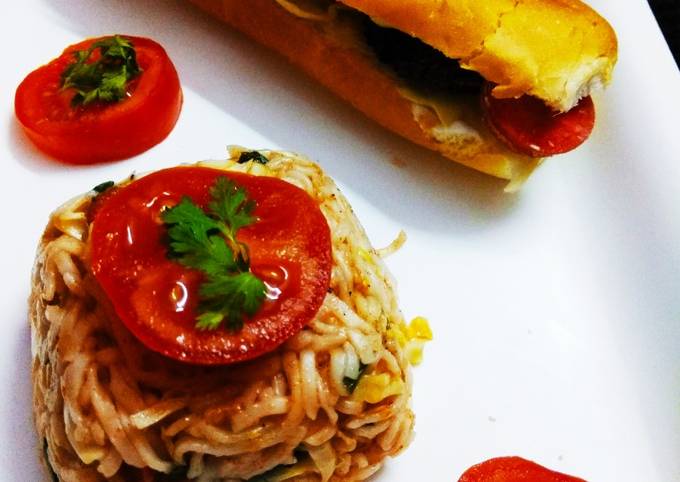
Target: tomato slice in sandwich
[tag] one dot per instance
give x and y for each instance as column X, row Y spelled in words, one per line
column 530, row 127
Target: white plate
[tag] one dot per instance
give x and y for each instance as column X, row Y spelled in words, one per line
column 556, row 311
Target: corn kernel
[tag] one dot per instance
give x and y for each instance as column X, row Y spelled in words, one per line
column 376, row 387
column 397, row 334
column 414, row 351
column 419, row 328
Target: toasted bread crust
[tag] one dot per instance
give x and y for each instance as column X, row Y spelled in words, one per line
column 340, row 69
column 347, row 70
column 555, row 50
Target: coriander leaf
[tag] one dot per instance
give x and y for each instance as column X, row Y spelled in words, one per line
column 206, row 241
column 210, row 320
column 113, row 85
column 106, row 78
column 231, row 205
column 100, row 188
column 191, row 243
column 252, row 156
column 189, row 228
column 351, row 383
column 229, row 297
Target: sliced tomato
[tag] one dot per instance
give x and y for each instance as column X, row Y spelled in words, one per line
column 513, row 469
column 100, row 132
column 530, row 127
column 290, row 250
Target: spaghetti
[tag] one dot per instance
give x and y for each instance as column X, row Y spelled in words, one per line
column 330, row 404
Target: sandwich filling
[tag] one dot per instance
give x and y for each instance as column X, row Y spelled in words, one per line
column 454, row 105
column 525, row 125
column 419, row 65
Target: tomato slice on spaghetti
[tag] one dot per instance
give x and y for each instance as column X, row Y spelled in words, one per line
column 289, row 248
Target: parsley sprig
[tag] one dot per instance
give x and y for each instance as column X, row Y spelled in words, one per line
column 105, row 79
column 207, row 242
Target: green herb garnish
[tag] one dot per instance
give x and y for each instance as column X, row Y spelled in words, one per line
column 351, row 383
column 252, row 156
column 104, row 79
column 100, row 188
column 207, row 242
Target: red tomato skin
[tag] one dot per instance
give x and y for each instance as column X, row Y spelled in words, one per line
column 529, row 127
column 291, row 234
column 513, row 469
column 100, row 133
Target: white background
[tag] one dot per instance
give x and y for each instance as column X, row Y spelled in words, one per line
column 556, row 311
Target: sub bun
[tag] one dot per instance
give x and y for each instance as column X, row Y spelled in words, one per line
column 556, row 50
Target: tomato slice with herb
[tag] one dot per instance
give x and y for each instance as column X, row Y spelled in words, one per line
column 513, row 469
column 530, row 127
column 157, row 298
column 105, row 110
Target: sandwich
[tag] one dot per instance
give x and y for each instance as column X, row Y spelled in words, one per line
column 495, row 85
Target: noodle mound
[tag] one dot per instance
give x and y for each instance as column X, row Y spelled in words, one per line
column 329, row 404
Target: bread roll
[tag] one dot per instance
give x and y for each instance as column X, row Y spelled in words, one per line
column 556, row 50
column 525, row 47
